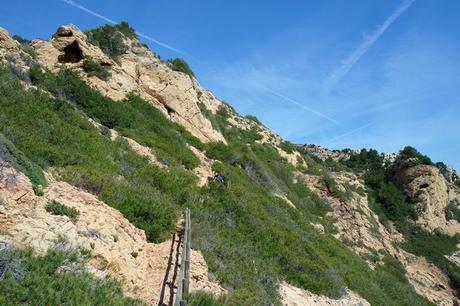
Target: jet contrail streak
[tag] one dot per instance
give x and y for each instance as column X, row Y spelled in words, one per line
column 111, row 21
column 292, row 101
column 349, row 133
column 348, row 64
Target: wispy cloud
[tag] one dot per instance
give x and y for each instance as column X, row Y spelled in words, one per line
column 111, row 21
column 354, row 57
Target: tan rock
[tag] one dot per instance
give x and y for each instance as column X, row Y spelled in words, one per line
column 6, row 42
column 431, row 192
column 293, row 296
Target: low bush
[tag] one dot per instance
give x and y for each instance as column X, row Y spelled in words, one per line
column 180, row 65
column 21, row 163
column 30, row 280
column 56, row 208
column 93, row 68
column 110, row 38
column 453, row 211
column 410, row 153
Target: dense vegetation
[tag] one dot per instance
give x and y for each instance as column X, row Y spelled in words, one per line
column 389, row 202
column 180, row 65
column 134, row 118
column 29, row 280
column 251, row 238
column 10, row 154
column 53, row 133
column 93, row 68
column 110, row 38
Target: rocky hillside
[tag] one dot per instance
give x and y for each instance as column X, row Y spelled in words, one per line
column 103, row 144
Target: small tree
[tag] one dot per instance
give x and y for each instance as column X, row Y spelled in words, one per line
column 180, row 65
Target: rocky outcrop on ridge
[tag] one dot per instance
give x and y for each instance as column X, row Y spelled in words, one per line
column 138, row 71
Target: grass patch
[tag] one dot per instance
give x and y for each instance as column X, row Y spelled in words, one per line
column 56, row 208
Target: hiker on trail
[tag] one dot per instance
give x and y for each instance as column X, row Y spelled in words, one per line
column 218, row 178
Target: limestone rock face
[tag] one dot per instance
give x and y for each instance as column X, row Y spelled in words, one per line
column 6, row 42
column 431, row 192
column 138, row 71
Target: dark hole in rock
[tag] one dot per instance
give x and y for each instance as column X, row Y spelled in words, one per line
column 72, row 54
column 424, row 186
column 169, row 110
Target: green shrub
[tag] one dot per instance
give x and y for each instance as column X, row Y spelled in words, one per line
column 93, row 68
column 202, row 298
column 21, row 163
column 56, row 208
column 287, row 146
column 31, row 280
column 110, row 38
column 180, row 65
column 253, row 118
column 453, row 211
column 412, row 153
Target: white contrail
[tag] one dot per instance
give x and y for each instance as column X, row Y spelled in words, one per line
column 286, row 98
column 349, row 133
column 111, row 21
column 346, row 66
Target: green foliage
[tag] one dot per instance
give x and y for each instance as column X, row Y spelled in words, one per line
column 59, row 209
column 253, row 118
column 93, row 68
column 134, row 118
column 453, row 211
column 202, row 298
column 412, row 153
column 385, row 198
column 30, row 280
column 110, row 38
column 9, row 153
column 287, row 146
column 457, row 183
column 178, row 64
column 244, row 220
column 232, row 223
column 52, row 133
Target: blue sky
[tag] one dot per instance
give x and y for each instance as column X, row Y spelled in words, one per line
column 380, row 74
